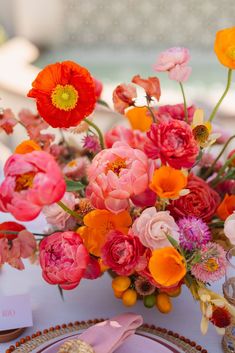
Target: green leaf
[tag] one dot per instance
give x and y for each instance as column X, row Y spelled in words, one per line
column 172, row 241
column 72, row 185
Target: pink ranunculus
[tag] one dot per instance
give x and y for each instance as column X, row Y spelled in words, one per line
column 122, row 253
column 229, row 226
column 176, row 111
column 115, row 175
column 7, row 121
column 123, row 97
column 77, row 168
column 152, row 228
column 134, row 138
column 63, row 259
column 55, row 215
column 174, row 61
column 93, row 269
column 32, row 180
column 173, row 142
column 201, row 202
column 151, row 85
column 98, row 87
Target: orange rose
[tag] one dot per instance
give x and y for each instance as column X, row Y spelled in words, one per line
column 226, row 207
column 225, row 47
column 27, row 146
column 168, row 182
column 139, row 118
column 98, row 224
column 167, row 266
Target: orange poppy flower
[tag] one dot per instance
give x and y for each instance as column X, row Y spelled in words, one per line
column 167, row 266
column 168, row 183
column 225, row 47
column 227, row 207
column 139, row 118
column 65, row 94
column 98, row 223
column 27, row 146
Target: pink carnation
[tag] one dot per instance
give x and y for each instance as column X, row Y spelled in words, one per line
column 176, row 111
column 63, row 259
column 115, row 175
column 7, row 121
column 32, row 181
column 122, row 253
column 134, row 138
column 173, row 142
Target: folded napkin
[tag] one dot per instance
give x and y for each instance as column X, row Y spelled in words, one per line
column 107, row 336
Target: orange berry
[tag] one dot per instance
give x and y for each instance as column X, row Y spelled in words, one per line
column 173, row 292
column 118, row 294
column 121, row 283
column 163, row 303
column 129, row 297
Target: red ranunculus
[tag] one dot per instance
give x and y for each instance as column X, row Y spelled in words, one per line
column 201, row 202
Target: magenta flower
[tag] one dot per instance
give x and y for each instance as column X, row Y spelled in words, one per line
column 32, row 180
column 115, row 175
column 7, row 120
column 91, row 143
column 63, row 259
column 193, row 233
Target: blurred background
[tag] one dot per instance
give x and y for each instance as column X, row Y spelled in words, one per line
column 114, row 40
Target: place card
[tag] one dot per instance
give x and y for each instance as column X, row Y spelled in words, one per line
column 15, row 312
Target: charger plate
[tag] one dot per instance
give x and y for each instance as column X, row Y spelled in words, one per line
column 148, row 338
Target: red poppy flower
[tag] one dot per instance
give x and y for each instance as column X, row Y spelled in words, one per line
column 65, row 94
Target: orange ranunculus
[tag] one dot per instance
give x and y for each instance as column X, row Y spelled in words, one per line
column 98, row 223
column 65, row 94
column 227, row 207
column 168, row 182
column 27, row 146
column 167, row 266
column 225, row 47
column 139, row 118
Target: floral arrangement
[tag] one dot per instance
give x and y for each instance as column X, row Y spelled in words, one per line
column 149, row 203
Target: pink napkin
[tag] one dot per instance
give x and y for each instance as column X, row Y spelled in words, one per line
column 107, row 336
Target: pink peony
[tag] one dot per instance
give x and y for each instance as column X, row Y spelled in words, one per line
column 115, row 175
column 63, row 259
column 151, row 86
column 176, row 111
column 122, row 253
column 201, row 202
column 32, row 181
column 134, row 138
column 77, row 168
column 229, row 226
column 173, row 142
column 55, row 215
column 7, row 121
column 152, row 227
column 174, row 61
column 123, row 97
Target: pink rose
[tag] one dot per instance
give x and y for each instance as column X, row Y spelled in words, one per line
column 174, row 61
column 32, row 181
column 176, row 111
column 229, row 226
column 7, row 121
column 123, row 97
column 134, row 138
column 115, row 175
column 173, row 142
column 122, row 253
column 201, row 202
column 152, row 227
column 151, row 86
column 63, row 259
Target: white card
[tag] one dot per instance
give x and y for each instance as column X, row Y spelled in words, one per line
column 15, row 312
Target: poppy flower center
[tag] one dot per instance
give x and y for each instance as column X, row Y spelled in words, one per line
column 24, row 181
column 64, row 97
column 201, row 133
column 116, row 166
column 231, row 52
column 211, row 265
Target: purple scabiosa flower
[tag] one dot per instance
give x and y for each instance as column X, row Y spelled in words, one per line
column 212, row 263
column 91, row 143
column 194, row 233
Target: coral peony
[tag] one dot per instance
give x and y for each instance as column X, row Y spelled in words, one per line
column 122, row 253
column 123, row 97
column 227, row 207
column 167, row 266
column 7, row 121
column 134, row 138
column 173, row 142
column 139, row 118
column 32, row 180
column 229, row 226
column 65, row 94
column 201, row 202
column 63, row 259
column 152, row 228
column 225, row 47
column 176, row 111
column 115, row 175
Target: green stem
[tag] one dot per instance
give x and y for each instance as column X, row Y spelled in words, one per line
column 217, row 224
column 229, row 80
column 151, row 113
column 209, row 171
column 220, row 172
column 69, row 211
column 98, row 132
column 185, row 103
